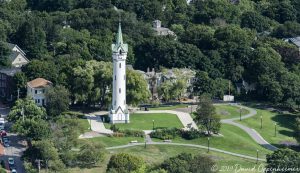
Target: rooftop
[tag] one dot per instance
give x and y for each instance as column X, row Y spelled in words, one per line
column 10, row 71
column 39, row 83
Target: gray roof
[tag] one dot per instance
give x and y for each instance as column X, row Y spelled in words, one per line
column 295, row 40
column 10, row 71
column 11, row 46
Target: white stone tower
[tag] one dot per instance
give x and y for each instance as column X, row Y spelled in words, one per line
column 119, row 112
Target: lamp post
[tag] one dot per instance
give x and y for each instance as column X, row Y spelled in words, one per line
column 275, row 129
column 90, row 123
column 261, row 122
column 256, row 156
column 208, row 144
column 240, row 114
column 153, row 124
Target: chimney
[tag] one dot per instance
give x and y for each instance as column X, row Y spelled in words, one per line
column 153, row 70
column 148, row 70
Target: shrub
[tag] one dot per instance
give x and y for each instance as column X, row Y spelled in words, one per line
column 165, row 133
column 191, row 134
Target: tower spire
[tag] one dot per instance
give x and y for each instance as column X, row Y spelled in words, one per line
column 119, row 40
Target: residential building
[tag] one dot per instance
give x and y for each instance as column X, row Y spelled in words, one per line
column 295, row 41
column 36, row 90
column 161, row 31
column 17, row 59
column 155, row 79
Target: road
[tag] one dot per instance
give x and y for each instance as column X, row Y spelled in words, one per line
column 15, row 151
column 16, row 147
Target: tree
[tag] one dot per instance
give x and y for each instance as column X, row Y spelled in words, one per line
column 206, row 116
column 20, row 81
column 136, row 88
column 287, row 30
column 57, row 100
column 283, row 158
column 30, row 110
column 37, row 129
column 41, row 68
column 126, row 163
column 255, row 21
column 44, row 150
column 4, row 53
column 281, row 11
column 90, row 154
column 187, row 163
column 203, row 83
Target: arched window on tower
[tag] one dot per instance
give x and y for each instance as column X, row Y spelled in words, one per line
column 119, row 90
column 120, row 65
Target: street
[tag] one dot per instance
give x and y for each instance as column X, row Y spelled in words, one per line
column 15, row 151
column 16, row 147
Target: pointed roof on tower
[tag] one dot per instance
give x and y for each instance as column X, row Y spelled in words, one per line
column 119, row 45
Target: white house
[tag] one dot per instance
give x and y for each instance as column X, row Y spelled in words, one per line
column 36, row 90
column 17, row 56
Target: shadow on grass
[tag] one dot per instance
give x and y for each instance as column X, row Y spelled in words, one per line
column 285, row 120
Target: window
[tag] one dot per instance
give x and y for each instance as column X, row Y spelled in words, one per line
column 120, row 65
column 119, row 90
column 115, row 77
column 35, row 91
column 20, row 59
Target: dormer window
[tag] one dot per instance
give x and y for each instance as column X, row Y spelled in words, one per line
column 120, row 51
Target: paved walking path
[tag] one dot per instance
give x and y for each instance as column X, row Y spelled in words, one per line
column 184, row 117
column 97, row 124
column 254, row 134
column 187, row 145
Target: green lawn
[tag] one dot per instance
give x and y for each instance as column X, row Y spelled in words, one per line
column 115, row 141
column 155, row 154
column 144, row 121
column 284, row 126
column 229, row 111
column 169, row 107
column 85, row 124
column 234, row 140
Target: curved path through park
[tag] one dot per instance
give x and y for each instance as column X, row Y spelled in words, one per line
column 186, row 145
column 251, row 132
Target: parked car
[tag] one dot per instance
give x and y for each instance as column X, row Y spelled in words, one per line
column 6, row 144
column 3, row 133
column 11, row 163
column 13, row 171
column 4, row 138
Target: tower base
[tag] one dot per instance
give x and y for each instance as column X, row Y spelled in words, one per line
column 116, row 118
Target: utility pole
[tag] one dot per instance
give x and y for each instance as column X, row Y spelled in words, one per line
column 18, row 93
column 39, row 164
column 22, row 113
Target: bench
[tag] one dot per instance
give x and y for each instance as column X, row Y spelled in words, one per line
column 134, row 141
column 167, row 140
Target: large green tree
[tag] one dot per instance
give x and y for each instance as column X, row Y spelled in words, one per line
column 58, row 100
column 126, row 163
column 206, row 117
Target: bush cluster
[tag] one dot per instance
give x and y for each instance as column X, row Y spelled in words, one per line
column 171, row 133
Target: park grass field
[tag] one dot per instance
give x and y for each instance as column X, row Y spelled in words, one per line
column 234, row 140
column 115, row 141
column 156, row 154
column 229, row 111
column 284, row 126
column 144, row 121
